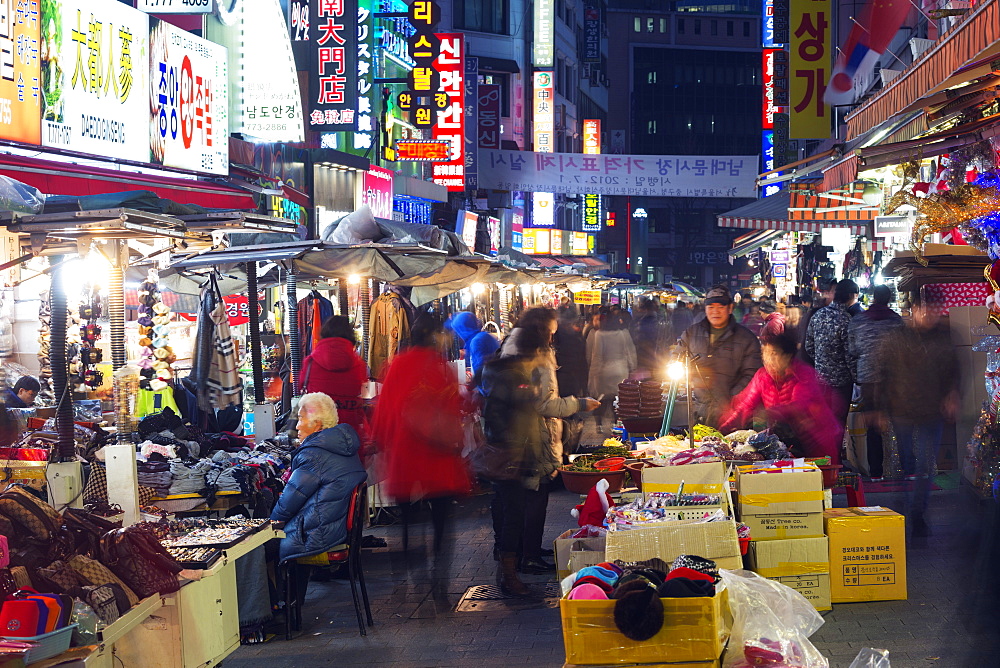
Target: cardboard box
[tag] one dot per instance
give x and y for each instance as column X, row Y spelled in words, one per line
column 803, row 565
column 563, row 545
column 783, row 527
column 694, row 630
column 798, row 491
column 667, row 541
column 579, row 559
column 964, row 321
column 814, row 588
column 707, row 478
column 867, row 554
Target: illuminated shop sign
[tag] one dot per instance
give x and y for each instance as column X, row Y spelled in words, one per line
column 592, row 206
column 543, row 50
column 543, row 209
column 332, row 29
column 544, row 117
column 450, row 124
column 424, row 150
column 489, row 116
column 20, row 86
column 809, row 68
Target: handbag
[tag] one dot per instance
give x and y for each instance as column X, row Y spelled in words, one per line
column 62, row 577
column 108, row 601
column 86, row 530
column 95, row 573
column 143, row 563
column 37, row 537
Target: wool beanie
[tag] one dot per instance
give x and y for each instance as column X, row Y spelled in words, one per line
column 587, row 591
column 685, row 588
column 639, row 614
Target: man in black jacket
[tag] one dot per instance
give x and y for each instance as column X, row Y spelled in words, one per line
column 726, row 356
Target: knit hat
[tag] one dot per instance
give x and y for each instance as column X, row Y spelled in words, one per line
column 690, row 574
column 697, row 563
column 587, row 591
column 639, row 612
column 604, row 585
column 647, row 574
column 686, row 588
column 609, row 576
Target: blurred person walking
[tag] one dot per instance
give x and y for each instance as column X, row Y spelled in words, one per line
column 920, row 393
column 826, row 343
column 478, row 344
column 864, row 346
column 418, row 427
column 753, row 319
column 611, row 356
column 648, row 336
column 726, row 356
column 774, row 321
column 682, row 318
column 335, row 369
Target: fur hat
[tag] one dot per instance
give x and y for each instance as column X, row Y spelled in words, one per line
column 639, row 612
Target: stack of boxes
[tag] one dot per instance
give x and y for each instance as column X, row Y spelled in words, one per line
column 783, row 506
column 867, row 554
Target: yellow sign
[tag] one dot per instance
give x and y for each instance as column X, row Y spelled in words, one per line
column 587, row 297
column 809, row 69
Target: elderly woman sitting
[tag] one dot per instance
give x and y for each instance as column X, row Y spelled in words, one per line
column 325, row 470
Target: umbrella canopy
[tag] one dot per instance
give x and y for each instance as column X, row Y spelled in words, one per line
column 683, row 289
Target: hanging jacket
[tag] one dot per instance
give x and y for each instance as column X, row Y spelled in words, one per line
column 325, row 470
column 334, row 369
column 389, row 326
column 798, row 401
column 723, row 369
column 308, row 315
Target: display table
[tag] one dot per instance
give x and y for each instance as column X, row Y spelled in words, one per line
column 196, row 626
column 185, row 503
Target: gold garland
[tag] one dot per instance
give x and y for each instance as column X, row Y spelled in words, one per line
column 946, row 210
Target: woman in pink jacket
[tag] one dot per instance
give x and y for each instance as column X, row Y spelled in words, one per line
column 792, row 395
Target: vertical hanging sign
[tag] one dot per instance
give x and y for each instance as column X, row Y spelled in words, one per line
column 544, row 116
column 365, row 132
column 591, row 33
column 421, row 101
column 333, row 102
column 810, row 60
column 471, row 116
column 543, row 50
column 489, row 116
column 591, row 202
column 450, row 125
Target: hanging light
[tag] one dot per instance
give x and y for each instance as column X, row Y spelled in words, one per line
column 478, row 288
column 353, row 279
column 872, row 194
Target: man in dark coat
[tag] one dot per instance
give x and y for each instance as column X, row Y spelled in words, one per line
column 325, row 470
column 727, row 356
column 23, row 394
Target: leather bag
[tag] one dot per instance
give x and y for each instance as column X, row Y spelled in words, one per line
column 37, row 538
column 95, row 573
column 142, row 562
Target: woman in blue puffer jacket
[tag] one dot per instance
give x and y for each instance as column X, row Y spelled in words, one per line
column 325, row 470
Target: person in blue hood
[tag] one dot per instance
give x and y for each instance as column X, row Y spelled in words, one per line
column 325, row 470
column 479, row 345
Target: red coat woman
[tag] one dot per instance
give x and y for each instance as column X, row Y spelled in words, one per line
column 335, row 369
column 417, row 424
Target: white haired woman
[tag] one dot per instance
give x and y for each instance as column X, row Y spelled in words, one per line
column 325, row 470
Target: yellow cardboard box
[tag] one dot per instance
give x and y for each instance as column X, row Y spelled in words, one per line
column 694, row 630
column 668, row 540
column 867, row 554
column 782, row 491
column 709, row 478
column 782, row 527
column 802, row 564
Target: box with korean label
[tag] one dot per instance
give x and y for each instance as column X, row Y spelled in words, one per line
column 867, row 554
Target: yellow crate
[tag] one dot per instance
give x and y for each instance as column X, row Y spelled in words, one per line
column 694, row 630
column 686, row 664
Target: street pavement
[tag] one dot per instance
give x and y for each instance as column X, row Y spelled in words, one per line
column 949, row 620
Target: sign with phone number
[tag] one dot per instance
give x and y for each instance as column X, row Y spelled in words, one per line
column 175, row 6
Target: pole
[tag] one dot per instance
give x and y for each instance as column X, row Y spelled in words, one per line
column 668, row 414
column 65, row 443
column 687, row 390
column 294, row 346
column 116, row 304
column 255, row 360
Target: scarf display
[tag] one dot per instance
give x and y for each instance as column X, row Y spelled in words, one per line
column 215, row 369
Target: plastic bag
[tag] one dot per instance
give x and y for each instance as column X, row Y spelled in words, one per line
column 871, row 658
column 771, row 624
column 86, row 620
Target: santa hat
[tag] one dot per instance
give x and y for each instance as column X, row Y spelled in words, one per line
column 594, row 509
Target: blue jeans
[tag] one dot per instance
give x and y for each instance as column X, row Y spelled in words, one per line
column 919, row 443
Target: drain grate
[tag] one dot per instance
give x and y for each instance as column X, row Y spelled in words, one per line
column 489, row 598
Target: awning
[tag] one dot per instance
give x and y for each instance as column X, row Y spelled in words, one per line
column 931, row 145
column 63, row 178
column 964, row 53
column 767, row 213
column 554, row 261
column 748, row 243
column 488, row 64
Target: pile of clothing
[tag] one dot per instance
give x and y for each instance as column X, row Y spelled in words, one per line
column 637, row 587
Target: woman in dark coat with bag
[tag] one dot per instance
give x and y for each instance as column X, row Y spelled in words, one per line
column 335, row 369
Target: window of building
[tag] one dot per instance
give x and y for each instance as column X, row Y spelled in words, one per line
column 650, row 23
column 746, row 28
column 680, row 26
column 482, row 15
column 652, row 77
column 638, row 24
column 503, row 80
column 697, row 26
column 730, row 29
column 651, row 128
column 714, row 27
column 663, row 25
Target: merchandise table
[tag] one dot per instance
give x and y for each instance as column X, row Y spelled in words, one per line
column 195, row 626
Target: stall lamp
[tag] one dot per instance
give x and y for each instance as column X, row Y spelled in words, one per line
column 675, row 370
column 353, row 279
column 872, row 194
column 478, row 288
column 759, row 292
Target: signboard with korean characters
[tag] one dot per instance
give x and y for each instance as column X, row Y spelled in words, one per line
column 189, row 101
column 810, row 60
column 21, row 90
column 333, row 71
column 176, row 6
column 96, row 79
column 609, row 174
column 450, row 117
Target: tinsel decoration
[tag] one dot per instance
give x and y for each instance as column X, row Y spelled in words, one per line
column 984, row 452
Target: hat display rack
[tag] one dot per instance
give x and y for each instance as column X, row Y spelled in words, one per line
column 156, row 355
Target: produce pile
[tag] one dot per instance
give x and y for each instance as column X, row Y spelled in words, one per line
column 611, row 447
column 710, row 445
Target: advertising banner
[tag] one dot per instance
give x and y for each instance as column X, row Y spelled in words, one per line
column 378, row 191
column 587, row 297
column 543, row 49
column 364, row 134
column 96, row 81
column 450, row 124
column 175, row 6
column 471, row 122
column 609, row 174
column 543, row 210
column 489, row 116
column 809, row 61
column 591, row 33
column 333, row 31
column 189, row 101
column 466, row 227
column 517, row 228
column 20, row 89
column 544, row 123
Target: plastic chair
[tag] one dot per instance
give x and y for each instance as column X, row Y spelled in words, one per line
column 852, row 485
column 350, row 552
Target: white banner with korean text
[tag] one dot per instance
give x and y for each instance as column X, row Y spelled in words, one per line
column 608, row 174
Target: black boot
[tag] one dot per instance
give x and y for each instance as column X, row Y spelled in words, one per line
column 536, row 566
column 507, row 578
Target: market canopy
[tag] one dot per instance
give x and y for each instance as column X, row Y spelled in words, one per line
column 748, row 243
column 766, row 213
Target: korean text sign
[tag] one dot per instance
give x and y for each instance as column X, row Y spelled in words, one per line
column 544, row 121
column 450, row 125
column 378, row 191
column 189, row 101
column 96, row 80
column 489, row 115
column 611, row 174
column 20, row 85
column 810, row 60
column 333, row 87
